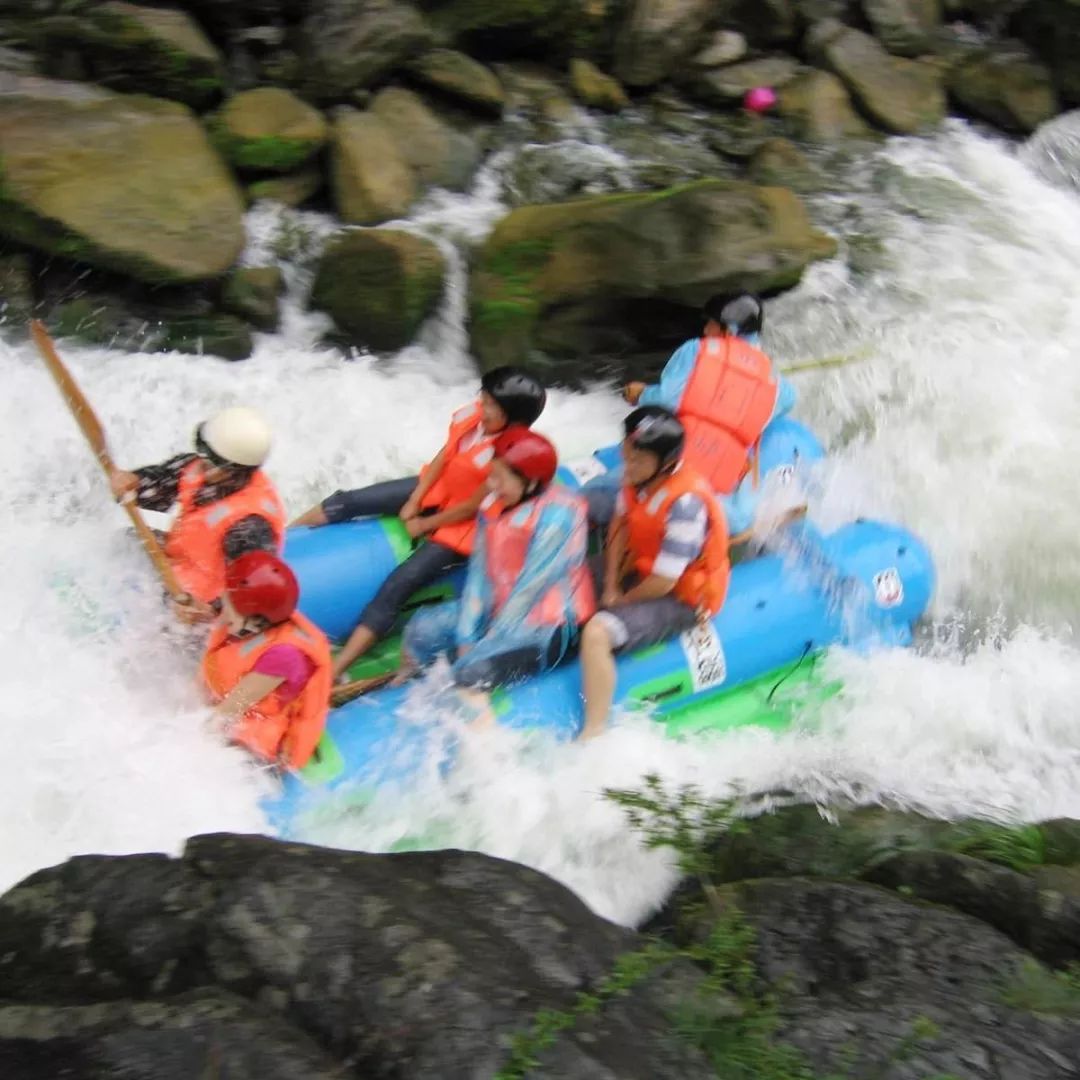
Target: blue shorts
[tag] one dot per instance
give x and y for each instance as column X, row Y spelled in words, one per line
column 432, row 632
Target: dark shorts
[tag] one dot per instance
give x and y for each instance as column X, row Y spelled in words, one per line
column 645, row 622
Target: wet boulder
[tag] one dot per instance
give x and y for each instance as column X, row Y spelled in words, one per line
column 379, row 286
column 257, row 959
column 595, row 277
column 121, row 182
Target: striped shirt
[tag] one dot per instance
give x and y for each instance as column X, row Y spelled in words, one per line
column 684, row 534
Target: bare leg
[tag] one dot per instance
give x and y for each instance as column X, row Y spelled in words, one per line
column 597, row 678
column 479, row 705
column 314, row 517
column 360, row 640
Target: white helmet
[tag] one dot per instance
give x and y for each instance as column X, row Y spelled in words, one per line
column 238, row 435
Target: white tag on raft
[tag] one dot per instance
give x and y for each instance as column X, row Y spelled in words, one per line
column 704, row 656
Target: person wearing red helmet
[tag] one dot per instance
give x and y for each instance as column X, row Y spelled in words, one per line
column 528, row 589
column 267, row 666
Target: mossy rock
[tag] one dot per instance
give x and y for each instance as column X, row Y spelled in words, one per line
column 904, row 27
column 295, row 189
column 268, row 129
column 556, row 280
column 1012, row 91
column 460, row 77
column 379, row 286
column 146, row 195
column 372, row 181
column 151, row 50
column 595, row 89
column 254, row 294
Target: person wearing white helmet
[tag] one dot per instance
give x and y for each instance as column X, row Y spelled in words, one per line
column 227, row 506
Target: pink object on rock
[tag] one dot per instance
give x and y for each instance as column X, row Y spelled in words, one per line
column 760, row 99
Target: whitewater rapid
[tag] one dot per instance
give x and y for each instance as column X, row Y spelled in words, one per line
column 956, row 286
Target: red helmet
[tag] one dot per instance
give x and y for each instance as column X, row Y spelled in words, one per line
column 528, row 453
column 259, row 583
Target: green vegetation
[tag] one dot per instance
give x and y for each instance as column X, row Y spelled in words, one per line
column 732, row 1016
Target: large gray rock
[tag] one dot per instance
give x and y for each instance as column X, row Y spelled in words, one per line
column 379, row 286
column 349, row 46
column 1006, row 88
column 867, row 973
column 586, row 279
column 902, row 96
column 419, row 965
column 656, row 37
column 204, row 1033
column 766, row 23
column 125, row 183
column 371, row 179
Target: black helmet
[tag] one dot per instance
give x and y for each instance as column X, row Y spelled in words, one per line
column 658, row 430
column 518, row 394
column 741, row 315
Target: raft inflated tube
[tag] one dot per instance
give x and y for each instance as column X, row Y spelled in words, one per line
column 862, row 586
column 340, row 567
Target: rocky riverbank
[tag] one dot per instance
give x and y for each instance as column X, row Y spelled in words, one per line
column 133, row 136
column 862, row 943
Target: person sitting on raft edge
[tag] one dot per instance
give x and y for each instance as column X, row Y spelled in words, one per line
column 528, row 589
column 723, row 388
column 266, row 665
column 665, row 559
column 440, row 504
column 227, row 505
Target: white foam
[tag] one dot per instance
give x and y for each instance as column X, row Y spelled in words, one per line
column 961, row 423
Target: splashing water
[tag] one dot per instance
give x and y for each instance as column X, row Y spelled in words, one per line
column 957, row 274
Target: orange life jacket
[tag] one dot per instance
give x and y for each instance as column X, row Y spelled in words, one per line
column 195, row 544
column 509, row 534
column 704, row 583
column 463, row 472
column 728, row 400
column 273, row 729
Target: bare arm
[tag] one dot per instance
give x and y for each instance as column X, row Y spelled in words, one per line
column 250, row 690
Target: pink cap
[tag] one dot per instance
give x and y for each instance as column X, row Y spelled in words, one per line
column 760, row 99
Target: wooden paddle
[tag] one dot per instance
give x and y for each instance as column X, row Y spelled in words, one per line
column 827, row 361
column 95, row 436
column 358, row 687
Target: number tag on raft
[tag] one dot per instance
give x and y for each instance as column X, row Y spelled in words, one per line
column 704, row 656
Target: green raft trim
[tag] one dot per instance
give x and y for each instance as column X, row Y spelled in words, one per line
column 771, row 701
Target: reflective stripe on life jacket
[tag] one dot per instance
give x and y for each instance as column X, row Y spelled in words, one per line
column 728, row 400
column 571, row 602
column 704, row 583
column 272, row 729
column 464, row 470
column 196, row 543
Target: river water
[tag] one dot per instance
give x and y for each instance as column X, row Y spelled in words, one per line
column 956, row 285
